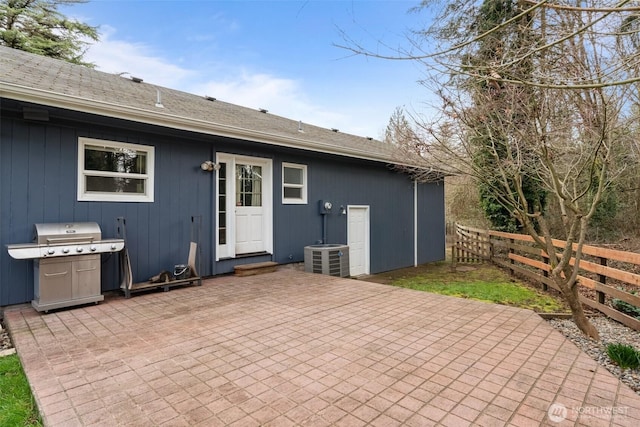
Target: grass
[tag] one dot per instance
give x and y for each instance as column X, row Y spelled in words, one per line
column 481, row 282
column 17, row 407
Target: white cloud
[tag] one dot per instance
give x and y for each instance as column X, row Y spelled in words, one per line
column 116, row 56
column 281, row 96
column 238, row 85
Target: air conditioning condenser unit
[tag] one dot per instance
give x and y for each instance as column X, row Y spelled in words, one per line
column 329, row 259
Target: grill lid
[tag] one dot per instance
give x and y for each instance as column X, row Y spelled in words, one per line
column 57, row 233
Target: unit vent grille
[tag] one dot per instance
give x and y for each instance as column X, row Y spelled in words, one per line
column 330, row 259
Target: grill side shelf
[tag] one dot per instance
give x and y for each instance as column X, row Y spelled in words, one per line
column 23, row 251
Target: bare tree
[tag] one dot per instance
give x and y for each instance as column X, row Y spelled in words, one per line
column 549, row 102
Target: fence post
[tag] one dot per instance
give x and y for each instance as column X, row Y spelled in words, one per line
column 511, row 251
column 474, row 247
column 492, row 250
column 463, row 247
column 545, row 273
column 454, row 248
column 602, row 279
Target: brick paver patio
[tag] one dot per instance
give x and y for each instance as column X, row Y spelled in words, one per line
column 291, row 348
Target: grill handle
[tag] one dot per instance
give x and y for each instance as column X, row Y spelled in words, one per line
column 69, row 239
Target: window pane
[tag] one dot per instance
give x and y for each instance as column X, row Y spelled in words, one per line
column 248, row 185
column 292, row 193
column 105, row 184
column 293, row 176
column 222, row 204
column 114, row 160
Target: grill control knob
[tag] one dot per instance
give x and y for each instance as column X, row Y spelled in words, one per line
column 65, row 250
column 93, row 248
column 51, row 251
column 79, row 249
column 113, row 246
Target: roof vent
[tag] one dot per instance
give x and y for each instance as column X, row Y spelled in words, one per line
column 159, row 99
column 263, row 110
column 334, row 129
column 300, row 127
column 209, row 98
column 136, row 79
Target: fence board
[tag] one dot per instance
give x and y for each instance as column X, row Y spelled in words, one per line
column 617, row 293
column 612, row 313
column 531, row 262
column 469, row 250
column 614, row 273
column 587, row 282
column 527, row 249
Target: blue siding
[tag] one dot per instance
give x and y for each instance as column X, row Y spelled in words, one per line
column 431, row 222
column 349, row 182
column 38, row 183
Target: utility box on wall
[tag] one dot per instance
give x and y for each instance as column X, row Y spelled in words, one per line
column 329, row 259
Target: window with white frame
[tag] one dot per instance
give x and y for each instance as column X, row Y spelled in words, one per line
column 112, row 171
column 294, row 183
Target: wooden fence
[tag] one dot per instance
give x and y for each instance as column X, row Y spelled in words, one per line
column 608, row 273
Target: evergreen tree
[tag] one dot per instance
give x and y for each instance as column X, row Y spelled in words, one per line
column 38, row 27
column 491, row 131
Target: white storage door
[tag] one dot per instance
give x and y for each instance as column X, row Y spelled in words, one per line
column 358, row 239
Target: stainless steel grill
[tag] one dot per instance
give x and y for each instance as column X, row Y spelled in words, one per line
column 66, row 268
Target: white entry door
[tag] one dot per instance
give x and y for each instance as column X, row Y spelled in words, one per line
column 358, row 239
column 249, row 209
column 244, row 206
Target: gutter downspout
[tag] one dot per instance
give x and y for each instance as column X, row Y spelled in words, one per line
column 415, row 223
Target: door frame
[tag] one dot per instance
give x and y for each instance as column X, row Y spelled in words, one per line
column 228, row 250
column 367, row 236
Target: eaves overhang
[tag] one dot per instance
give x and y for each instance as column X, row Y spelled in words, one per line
column 160, row 118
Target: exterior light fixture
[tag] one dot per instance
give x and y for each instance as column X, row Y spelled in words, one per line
column 209, row 166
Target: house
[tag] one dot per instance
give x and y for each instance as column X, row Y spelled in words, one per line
column 82, row 145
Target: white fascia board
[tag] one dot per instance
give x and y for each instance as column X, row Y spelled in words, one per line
column 159, row 118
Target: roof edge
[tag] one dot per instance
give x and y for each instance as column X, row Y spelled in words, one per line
column 159, row 118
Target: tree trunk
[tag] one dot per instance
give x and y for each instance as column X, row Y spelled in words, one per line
column 580, row 319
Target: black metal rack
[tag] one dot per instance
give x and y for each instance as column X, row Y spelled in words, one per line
column 194, row 262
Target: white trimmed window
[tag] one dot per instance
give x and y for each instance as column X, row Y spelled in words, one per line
column 111, row 171
column 294, row 183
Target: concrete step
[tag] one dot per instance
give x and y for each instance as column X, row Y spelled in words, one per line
column 255, row 268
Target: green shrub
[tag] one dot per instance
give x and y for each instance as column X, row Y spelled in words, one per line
column 624, row 355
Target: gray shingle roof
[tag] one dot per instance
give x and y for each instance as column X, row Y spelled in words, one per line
column 39, row 79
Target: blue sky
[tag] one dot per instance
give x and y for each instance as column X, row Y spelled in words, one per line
column 275, row 54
